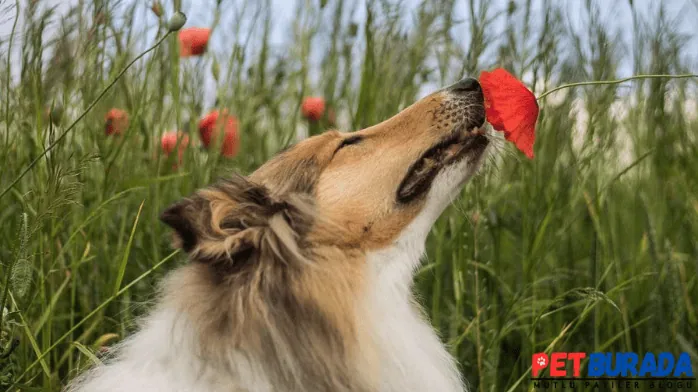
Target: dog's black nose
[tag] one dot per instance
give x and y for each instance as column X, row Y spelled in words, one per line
column 466, row 85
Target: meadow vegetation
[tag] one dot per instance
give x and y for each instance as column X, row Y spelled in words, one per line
column 591, row 246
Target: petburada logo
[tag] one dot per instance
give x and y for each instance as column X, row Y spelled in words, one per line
column 612, row 371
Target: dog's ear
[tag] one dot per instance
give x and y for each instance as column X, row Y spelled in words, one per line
column 236, row 220
column 184, row 218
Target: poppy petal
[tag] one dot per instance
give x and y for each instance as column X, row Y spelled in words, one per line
column 511, row 108
column 212, row 124
column 193, row 41
column 313, row 108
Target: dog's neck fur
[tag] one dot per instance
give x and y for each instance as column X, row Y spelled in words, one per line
column 405, row 354
column 412, row 358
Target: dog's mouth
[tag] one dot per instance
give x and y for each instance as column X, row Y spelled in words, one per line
column 462, row 143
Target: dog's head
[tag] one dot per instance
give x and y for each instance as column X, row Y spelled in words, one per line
column 279, row 257
column 369, row 185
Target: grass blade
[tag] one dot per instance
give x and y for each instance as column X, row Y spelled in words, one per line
column 127, row 252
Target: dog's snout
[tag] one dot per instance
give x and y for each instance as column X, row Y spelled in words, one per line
column 466, row 85
column 466, row 100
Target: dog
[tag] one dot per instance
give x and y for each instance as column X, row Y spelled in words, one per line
column 300, row 274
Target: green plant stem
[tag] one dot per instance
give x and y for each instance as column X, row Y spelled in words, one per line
column 617, row 81
column 8, row 81
column 84, row 113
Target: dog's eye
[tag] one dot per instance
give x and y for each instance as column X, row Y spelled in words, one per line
column 348, row 142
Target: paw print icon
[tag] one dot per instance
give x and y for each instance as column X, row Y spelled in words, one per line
column 539, row 361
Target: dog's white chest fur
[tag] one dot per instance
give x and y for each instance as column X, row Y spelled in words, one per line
column 411, row 356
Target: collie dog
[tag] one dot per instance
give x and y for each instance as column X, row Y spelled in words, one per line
column 300, row 274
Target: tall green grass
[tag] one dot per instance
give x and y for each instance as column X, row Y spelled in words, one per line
column 591, row 246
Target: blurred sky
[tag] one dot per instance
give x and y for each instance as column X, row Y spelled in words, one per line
column 200, row 12
column 613, row 12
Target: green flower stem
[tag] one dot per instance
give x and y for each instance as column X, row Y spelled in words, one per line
column 84, row 113
column 8, row 81
column 618, row 81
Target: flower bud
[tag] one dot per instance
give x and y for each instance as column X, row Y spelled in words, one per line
column 177, row 21
column 156, row 7
column 215, row 69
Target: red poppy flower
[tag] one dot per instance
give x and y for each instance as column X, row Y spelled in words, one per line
column 510, row 107
column 193, row 41
column 313, row 108
column 212, row 123
column 116, row 122
column 169, row 141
